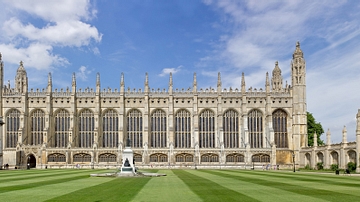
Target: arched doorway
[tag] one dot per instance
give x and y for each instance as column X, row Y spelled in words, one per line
column 31, row 161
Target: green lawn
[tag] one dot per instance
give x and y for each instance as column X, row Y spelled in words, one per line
column 178, row 185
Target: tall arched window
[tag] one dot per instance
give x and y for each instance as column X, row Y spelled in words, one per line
column 207, row 129
column 62, row 128
column 231, row 129
column 86, row 128
column 158, row 129
column 255, row 126
column 280, row 129
column 134, row 128
column 110, row 129
column 182, row 129
column 12, row 128
column 37, row 127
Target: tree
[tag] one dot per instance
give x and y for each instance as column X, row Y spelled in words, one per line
column 312, row 127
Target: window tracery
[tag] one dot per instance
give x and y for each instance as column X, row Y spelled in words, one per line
column 158, row 157
column 280, row 128
column 134, row 128
column 255, row 126
column 207, row 129
column 37, row 127
column 231, row 129
column 110, row 129
column 158, row 129
column 182, row 129
column 62, row 128
column 86, row 128
column 12, row 128
column 234, row 158
column 56, row 158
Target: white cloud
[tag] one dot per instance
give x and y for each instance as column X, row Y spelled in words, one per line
column 36, row 55
column 63, row 26
column 167, row 71
column 55, row 11
column 69, row 33
column 262, row 32
column 83, row 73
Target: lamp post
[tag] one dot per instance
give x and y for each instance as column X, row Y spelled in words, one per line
column 293, row 155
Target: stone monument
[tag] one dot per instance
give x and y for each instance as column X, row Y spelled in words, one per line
column 127, row 166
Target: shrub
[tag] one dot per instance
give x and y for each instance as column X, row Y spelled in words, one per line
column 307, row 167
column 320, row 165
column 351, row 166
column 334, row 167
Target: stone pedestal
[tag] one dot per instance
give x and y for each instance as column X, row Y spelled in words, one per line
column 127, row 166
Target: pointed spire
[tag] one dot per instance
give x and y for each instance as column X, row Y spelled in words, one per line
column 243, row 79
column 277, row 69
column 0, row 56
column 344, row 135
column 243, row 90
column 73, row 79
column 267, row 83
column 298, row 52
column 49, row 87
column 49, row 79
column 170, row 84
column 219, row 80
column 21, row 68
column 98, row 79
column 98, row 83
column 194, row 83
column 171, row 80
column 328, row 137
column 146, row 79
column 146, row 83
column 122, row 82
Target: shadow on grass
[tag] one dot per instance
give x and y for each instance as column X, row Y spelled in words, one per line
column 119, row 189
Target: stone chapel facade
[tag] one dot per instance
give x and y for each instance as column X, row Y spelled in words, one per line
column 216, row 127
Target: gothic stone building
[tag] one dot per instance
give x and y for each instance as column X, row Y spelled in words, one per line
column 215, row 127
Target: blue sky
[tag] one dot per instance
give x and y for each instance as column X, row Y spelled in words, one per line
column 183, row 37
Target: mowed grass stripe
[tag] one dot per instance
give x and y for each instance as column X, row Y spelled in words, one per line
column 35, row 175
column 40, row 179
column 46, row 192
column 208, row 190
column 167, row 188
column 118, row 189
column 45, row 181
column 323, row 183
column 291, row 187
column 308, row 177
column 256, row 191
column 10, row 173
